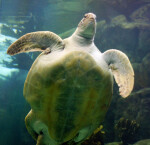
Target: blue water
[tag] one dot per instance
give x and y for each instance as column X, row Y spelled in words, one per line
column 122, row 25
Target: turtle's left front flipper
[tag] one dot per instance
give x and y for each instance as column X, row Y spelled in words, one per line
column 36, row 41
column 122, row 70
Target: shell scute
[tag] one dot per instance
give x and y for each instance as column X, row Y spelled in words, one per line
column 66, row 90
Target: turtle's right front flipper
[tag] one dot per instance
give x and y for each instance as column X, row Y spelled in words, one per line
column 122, row 70
column 36, row 41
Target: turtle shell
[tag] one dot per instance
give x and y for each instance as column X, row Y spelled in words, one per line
column 68, row 92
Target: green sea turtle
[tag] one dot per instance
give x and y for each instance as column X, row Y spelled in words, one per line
column 69, row 86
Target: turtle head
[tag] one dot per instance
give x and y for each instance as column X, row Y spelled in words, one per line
column 87, row 26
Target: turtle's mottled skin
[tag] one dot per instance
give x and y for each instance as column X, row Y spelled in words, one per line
column 69, row 86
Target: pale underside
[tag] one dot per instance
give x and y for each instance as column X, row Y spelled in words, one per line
column 67, row 95
column 69, row 86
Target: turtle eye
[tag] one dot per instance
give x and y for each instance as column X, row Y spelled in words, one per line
column 85, row 16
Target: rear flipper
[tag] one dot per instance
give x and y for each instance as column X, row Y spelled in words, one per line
column 83, row 134
column 38, row 130
column 29, row 121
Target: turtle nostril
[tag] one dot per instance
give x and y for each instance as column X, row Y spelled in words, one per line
column 91, row 15
column 41, row 132
column 86, row 15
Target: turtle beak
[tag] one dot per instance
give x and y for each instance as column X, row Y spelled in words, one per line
column 90, row 16
column 87, row 26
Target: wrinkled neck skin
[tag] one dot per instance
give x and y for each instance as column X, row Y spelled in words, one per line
column 81, row 40
column 84, row 36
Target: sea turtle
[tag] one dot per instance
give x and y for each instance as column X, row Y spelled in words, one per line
column 69, row 85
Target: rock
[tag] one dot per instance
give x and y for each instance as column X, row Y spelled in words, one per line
column 143, row 142
column 142, row 79
column 136, row 107
column 119, row 19
column 141, row 14
column 12, row 64
column 113, row 143
column 144, row 41
column 127, row 130
column 6, row 30
column 118, row 34
column 5, row 42
column 125, row 7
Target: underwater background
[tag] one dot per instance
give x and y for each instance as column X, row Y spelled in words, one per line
column 121, row 24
